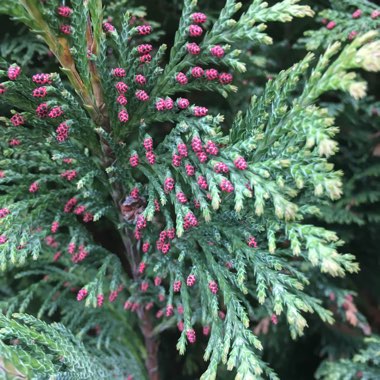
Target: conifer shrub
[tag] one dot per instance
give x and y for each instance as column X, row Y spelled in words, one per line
column 131, row 207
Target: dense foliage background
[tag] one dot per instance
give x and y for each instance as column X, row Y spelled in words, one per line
column 356, row 216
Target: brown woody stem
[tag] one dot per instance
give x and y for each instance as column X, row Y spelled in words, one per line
column 151, row 344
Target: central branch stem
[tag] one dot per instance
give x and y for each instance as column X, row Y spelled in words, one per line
column 145, row 321
column 151, row 344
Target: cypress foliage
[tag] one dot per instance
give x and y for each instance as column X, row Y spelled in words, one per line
column 129, row 208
